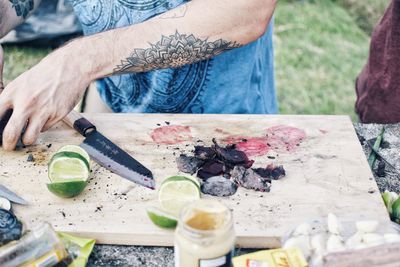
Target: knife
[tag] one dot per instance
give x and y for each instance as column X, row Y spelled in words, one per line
column 107, row 154
column 11, row 196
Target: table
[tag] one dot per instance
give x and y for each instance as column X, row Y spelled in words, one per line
column 106, row 255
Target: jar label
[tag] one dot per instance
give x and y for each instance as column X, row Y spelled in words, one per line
column 223, row 261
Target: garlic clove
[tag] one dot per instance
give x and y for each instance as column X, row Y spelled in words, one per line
column 334, row 226
column 367, row 226
column 317, row 261
column 373, row 239
column 302, row 229
column 354, row 240
column 318, row 242
column 334, row 243
column 5, row 203
column 301, row 242
column 391, row 238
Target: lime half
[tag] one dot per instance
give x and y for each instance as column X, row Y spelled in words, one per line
column 176, row 192
column 67, row 189
column 76, row 149
column 68, row 166
column 161, row 218
column 68, row 171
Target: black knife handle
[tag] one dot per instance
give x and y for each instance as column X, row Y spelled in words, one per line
column 79, row 123
column 83, row 126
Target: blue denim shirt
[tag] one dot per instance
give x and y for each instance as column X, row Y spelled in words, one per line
column 238, row 81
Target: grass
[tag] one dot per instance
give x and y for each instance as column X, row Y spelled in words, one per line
column 365, row 12
column 319, row 52
column 19, row 59
column 320, row 45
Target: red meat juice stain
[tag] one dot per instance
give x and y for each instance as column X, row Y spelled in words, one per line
column 282, row 137
column 171, row 134
column 279, row 138
column 252, row 146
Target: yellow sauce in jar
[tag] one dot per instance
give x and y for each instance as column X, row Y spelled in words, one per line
column 205, row 236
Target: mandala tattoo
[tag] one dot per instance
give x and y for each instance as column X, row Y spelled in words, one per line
column 22, row 7
column 173, row 51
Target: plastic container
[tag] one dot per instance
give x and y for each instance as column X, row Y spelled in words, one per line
column 40, row 247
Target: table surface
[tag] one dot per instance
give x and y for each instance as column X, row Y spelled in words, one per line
column 108, row 255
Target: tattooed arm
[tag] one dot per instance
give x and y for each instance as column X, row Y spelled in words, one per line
column 195, row 31
column 192, row 32
column 14, row 12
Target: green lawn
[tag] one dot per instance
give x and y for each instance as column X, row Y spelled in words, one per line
column 19, row 59
column 320, row 45
column 319, row 52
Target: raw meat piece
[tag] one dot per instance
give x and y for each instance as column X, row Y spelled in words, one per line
column 188, row 164
column 249, row 179
column 230, row 154
column 271, row 172
column 219, row 186
column 204, row 152
column 212, row 168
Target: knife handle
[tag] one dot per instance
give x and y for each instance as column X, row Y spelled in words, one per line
column 76, row 121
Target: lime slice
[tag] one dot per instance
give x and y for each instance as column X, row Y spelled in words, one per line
column 194, row 179
column 68, row 166
column 161, row 218
column 76, row 149
column 67, row 189
column 176, row 192
column 180, row 178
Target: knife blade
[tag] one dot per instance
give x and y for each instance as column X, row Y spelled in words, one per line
column 108, row 154
column 11, row 196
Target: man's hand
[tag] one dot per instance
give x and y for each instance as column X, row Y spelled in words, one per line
column 42, row 96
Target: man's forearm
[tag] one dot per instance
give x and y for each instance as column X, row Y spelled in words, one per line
column 14, row 12
column 192, row 32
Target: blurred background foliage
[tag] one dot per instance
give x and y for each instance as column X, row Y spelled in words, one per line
column 320, row 46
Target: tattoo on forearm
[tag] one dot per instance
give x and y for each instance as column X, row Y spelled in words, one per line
column 22, row 7
column 173, row 51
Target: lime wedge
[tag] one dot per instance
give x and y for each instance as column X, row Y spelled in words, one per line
column 67, row 189
column 176, row 192
column 76, row 149
column 161, row 218
column 68, row 166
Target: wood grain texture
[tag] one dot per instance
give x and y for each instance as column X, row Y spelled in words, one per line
column 328, row 172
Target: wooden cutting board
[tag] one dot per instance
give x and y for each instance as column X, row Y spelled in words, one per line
column 326, row 172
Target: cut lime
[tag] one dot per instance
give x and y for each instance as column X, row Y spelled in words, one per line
column 161, row 218
column 194, row 179
column 68, row 166
column 76, row 149
column 176, row 192
column 68, row 171
column 67, row 189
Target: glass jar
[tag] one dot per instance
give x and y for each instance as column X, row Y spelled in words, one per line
column 205, row 236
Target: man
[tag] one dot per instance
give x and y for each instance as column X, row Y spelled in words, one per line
column 200, row 56
column 378, row 85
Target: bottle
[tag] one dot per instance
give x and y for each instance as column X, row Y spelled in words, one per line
column 205, row 236
column 40, row 247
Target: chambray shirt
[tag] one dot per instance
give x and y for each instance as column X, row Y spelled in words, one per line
column 238, row 81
